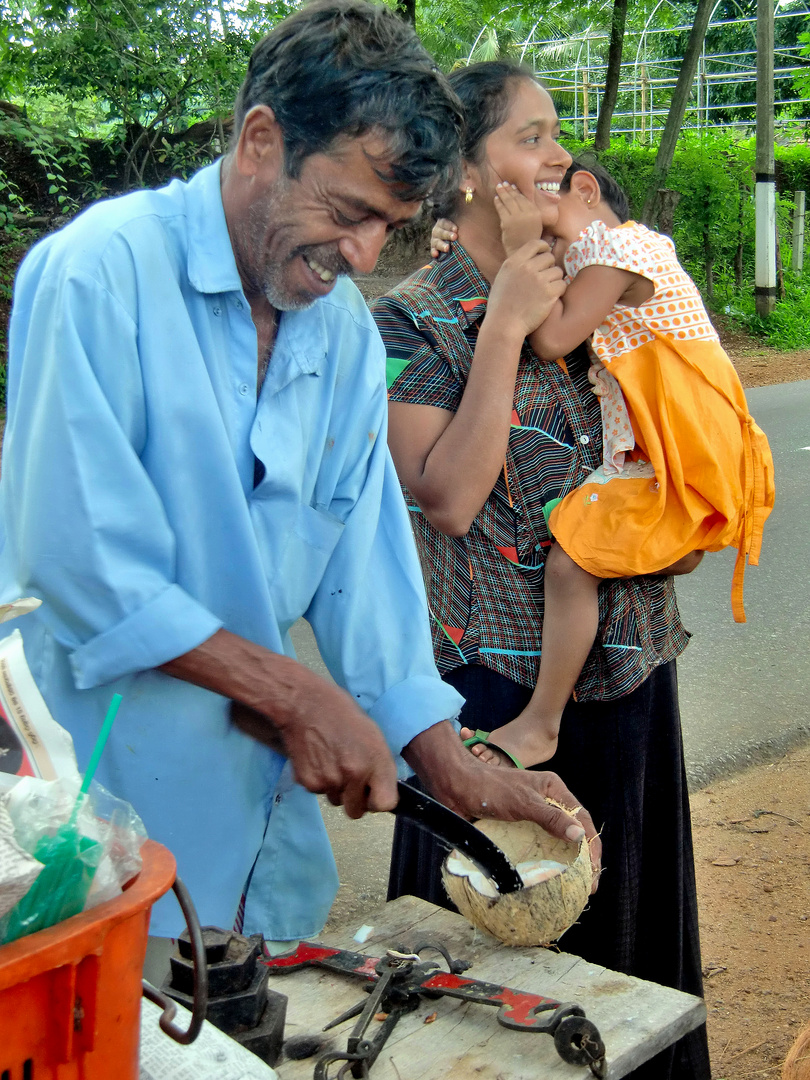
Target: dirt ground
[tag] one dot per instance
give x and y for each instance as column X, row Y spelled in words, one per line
column 752, row 858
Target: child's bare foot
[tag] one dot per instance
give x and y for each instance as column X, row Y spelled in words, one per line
column 521, row 221
column 526, row 738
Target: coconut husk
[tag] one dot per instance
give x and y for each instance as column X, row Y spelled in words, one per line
column 538, row 914
column 797, row 1063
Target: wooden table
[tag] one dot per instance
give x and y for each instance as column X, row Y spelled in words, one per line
column 636, row 1019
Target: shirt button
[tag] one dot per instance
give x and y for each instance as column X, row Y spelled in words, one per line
column 238, row 305
column 243, row 389
column 584, row 439
column 217, row 310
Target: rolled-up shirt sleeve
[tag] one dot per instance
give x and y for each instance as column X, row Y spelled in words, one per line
column 85, row 528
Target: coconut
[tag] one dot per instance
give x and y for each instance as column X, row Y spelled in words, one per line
column 797, row 1063
column 557, row 876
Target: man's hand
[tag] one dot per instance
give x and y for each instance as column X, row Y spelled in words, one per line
column 475, row 790
column 334, row 748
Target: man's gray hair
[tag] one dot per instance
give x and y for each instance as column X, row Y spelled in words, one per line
column 342, row 68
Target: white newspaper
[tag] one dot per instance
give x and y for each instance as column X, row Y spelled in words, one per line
column 31, row 742
column 212, row 1056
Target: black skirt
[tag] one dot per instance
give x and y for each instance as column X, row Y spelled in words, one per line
column 623, row 760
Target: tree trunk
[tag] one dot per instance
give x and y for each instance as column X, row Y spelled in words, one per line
column 407, row 9
column 677, row 109
column 666, row 218
column 602, row 138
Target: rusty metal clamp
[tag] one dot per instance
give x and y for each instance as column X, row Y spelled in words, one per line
column 200, row 1006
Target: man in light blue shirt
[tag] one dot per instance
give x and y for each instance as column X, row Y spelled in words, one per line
column 187, row 471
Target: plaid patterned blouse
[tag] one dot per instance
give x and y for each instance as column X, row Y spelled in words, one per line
column 486, row 588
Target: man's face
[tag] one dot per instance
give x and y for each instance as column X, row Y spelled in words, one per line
column 294, row 237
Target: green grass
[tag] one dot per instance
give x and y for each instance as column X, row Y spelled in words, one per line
column 788, row 327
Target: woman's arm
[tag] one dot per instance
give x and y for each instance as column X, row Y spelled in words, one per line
column 586, row 303
column 450, row 461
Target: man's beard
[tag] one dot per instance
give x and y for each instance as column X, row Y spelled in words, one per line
column 271, row 277
column 279, row 293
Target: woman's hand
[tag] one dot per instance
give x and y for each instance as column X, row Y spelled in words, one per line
column 526, row 288
column 445, row 233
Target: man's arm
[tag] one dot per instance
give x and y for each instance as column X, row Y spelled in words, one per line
column 335, row 749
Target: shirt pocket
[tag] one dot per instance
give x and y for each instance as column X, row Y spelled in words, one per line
column 312, row 539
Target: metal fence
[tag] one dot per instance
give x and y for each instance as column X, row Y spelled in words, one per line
column 647, row 80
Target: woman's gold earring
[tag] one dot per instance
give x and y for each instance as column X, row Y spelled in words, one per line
column 468, row 195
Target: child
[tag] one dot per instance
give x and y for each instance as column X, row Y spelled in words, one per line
column 685, row 468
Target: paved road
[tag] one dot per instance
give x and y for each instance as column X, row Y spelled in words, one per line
column 744, row 694
column 744, row 689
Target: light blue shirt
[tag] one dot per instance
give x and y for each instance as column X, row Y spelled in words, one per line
column 128, row 507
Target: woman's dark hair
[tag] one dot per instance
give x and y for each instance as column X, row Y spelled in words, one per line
column 486, row 91
column 345, row 67
column 611, row 192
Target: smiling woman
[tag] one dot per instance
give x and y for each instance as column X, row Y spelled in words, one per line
column 484, row 434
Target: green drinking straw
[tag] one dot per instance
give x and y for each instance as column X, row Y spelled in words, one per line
column 95, row 757
column 69, row 862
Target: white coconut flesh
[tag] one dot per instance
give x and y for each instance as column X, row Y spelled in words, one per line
column 531, row 873
column 556, row 879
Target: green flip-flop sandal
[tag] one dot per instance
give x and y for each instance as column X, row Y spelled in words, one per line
column 481, row 738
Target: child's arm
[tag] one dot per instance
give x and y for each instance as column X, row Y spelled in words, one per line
column 586, row 303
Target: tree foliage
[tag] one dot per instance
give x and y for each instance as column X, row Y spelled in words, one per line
column 152, row 67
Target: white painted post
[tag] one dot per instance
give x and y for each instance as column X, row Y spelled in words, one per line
column 797, row 258
column 765, row 199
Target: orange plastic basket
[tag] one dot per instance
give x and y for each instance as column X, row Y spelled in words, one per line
column 70, row 996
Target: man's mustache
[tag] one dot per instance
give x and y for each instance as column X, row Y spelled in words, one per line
column 327, row 256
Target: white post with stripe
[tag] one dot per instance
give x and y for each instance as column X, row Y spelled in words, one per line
column 765, row 199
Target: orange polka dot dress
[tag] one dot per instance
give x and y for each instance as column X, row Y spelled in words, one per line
column 694, row 472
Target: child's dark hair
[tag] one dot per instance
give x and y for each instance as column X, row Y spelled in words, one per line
column 611, row 192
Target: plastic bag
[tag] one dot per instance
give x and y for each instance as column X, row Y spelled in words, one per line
column 85, row 858
column 18, row 870
column 72, row 850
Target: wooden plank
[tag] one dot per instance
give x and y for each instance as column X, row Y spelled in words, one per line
column 636, row 1019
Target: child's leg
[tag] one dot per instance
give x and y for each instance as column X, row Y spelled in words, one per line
column 570, row 623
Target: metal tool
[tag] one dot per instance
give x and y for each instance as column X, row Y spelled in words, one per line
column 456, row 832
column 399, row 979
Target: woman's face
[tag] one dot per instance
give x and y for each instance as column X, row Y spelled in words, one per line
column 524, row 150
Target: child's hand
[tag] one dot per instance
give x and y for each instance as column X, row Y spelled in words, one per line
column 443, row 235
column 521, row 221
